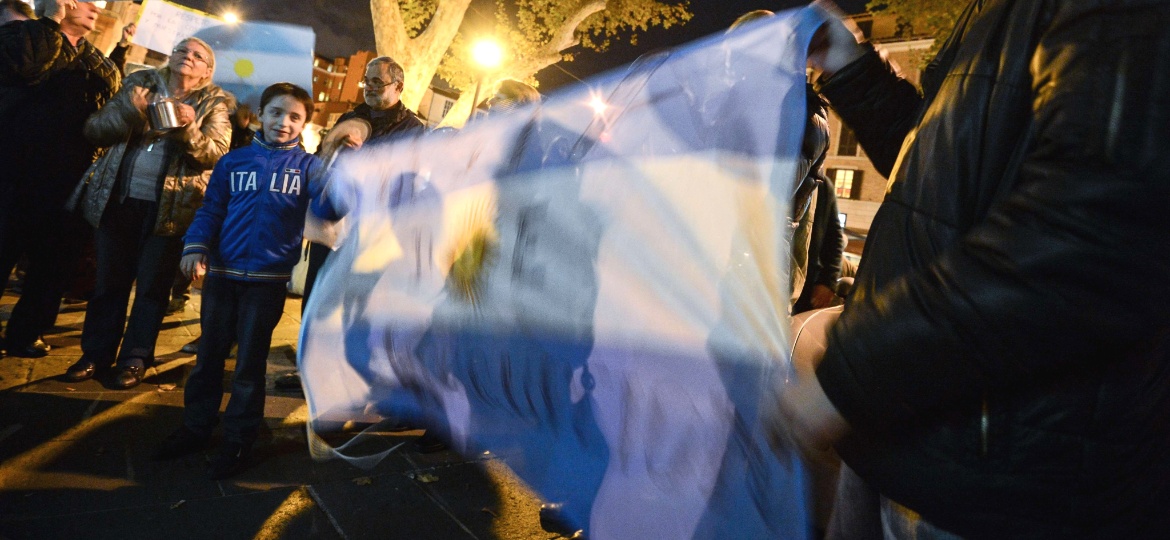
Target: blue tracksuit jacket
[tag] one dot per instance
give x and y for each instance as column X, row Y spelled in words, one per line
column 253, row 214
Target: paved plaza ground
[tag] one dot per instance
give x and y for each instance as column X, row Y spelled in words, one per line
column 74, row 462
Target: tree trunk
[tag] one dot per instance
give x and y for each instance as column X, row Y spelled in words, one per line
column 419, row 56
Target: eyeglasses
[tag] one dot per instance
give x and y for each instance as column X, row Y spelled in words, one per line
column 502, row 103
column 182, row 52
column 374, row 84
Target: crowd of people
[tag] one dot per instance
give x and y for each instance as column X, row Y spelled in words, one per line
column 162, row 205
column 991, row 373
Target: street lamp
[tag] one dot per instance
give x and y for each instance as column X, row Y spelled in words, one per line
column 487, row 55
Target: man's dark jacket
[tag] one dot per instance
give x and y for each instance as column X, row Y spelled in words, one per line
column 48, row 88
column 816, row 249
column 1002, row 362
column 397, row 120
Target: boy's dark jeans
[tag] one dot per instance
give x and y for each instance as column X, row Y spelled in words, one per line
column 233, row 309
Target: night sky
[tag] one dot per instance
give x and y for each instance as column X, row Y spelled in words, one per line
column 344, row 26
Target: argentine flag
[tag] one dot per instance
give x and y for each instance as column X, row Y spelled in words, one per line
column 250, row 56
column 594, row 289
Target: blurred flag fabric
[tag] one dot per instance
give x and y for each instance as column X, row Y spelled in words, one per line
column 250, row 56
column 593, row 289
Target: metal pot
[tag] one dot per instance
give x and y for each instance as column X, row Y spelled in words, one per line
column 162, row 114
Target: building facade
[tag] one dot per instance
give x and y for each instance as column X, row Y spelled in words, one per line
column 860, row 188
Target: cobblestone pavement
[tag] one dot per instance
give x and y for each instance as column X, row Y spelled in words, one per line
column 74, row 461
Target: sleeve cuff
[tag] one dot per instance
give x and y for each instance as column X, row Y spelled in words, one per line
column 195, row 247
column 858, row 76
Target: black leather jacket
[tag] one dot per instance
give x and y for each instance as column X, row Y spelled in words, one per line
column 816, row 238
column 1005, row 371
column 48, row 88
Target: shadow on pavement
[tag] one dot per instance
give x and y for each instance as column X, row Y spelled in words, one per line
column 75, row 463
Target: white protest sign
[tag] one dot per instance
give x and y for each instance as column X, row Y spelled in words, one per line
column 162, row 24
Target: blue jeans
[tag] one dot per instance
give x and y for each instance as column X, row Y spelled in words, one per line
column 245, row 312
column 861, row 513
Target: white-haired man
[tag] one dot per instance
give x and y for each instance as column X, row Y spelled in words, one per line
column 51, row 80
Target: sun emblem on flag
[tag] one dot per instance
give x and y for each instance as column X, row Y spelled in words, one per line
column 244, row 68
column 476, row 245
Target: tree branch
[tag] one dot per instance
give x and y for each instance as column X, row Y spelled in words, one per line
column 566, row 35
column 389, row 28
column 446, row 20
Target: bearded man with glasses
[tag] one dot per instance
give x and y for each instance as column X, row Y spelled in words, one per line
column 382, row 116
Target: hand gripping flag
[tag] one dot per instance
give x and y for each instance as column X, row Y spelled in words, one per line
column 594, row 289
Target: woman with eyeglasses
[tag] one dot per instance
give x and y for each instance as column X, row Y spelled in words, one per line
column 141, row 195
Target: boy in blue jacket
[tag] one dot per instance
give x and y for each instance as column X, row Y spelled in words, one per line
column 246, row 237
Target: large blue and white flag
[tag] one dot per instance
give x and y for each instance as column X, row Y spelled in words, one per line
column 250, row 56
column 593, row 289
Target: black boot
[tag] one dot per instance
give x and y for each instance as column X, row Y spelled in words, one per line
column 553, row 520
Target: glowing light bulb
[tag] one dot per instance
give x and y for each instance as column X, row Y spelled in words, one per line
column 487, row 54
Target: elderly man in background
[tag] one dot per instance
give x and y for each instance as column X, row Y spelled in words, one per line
column 51, row 80
column 382, row 116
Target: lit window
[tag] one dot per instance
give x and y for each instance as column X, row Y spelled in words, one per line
column 843, row 179
column 321, row 96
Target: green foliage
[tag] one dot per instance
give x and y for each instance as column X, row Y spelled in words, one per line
column 416, row 14
column 933, row 17
column 456, row 68
column 533, row 32
column 629, row 18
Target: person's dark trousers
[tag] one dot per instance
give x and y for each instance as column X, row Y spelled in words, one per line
column 318, row 253
column 52, row 239
column 129, row 254
column 233, row 310
column 857, row 512
column 181, row 287
column 82, row 284
column 8, row 208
